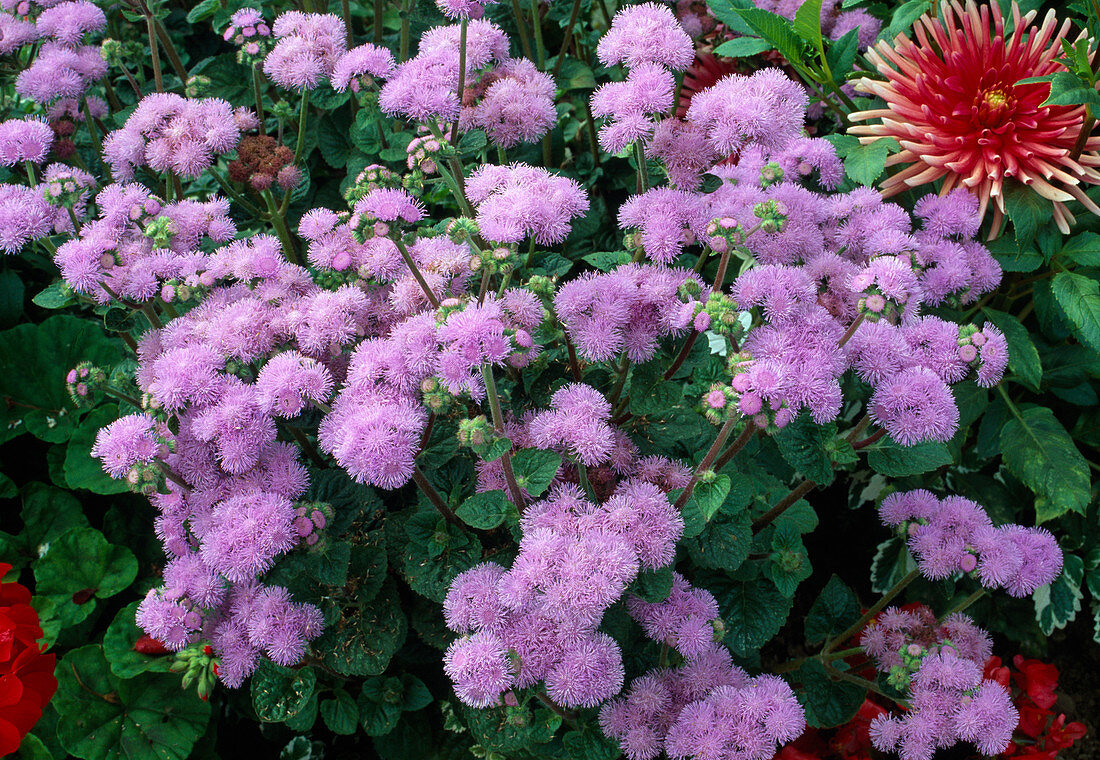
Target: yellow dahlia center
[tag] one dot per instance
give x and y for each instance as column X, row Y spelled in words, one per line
column 993, row 106
column 996, row 98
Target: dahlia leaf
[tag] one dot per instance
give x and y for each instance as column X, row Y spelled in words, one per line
column 1038, row 450
column 1014, row 257
column 1058, row 603
column 726, row 11
column 1067, row 89
column 842, row 54
column 743, row 47
column 776, row 30
column 1023, row 358
column 1079, row 297
column 1083, row 249
column 904, row 16
column 835, row 608
column 807, row 23
column 1027, row 210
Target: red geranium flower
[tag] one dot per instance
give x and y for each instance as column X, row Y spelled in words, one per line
column 1038, row 680
column 26, row 674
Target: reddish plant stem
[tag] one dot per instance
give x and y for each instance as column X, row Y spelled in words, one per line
column 433, row 496
column 850, row 331
column 682, row 356
column 574, row 365
column 782, row 505
column 739, row 443
column 708, row 460
column 868, row 440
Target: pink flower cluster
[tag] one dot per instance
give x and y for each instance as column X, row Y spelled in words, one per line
column 64, row 66
column 169, row 133
column 519, row 201
column 575, row 560
column 705, row 708
column 307, row 48
column 941, row 668
column 955, row 535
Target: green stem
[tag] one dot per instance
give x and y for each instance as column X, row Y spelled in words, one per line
column 306, row 446
column 433, row 496
column 301, row 128
column 536, row 24
column 862, row 682
column 237, row 197
column 257, row 93
column 32, row 176
column 498, row 423
column 154, row 51
column 279, row 220
column 379, row 14
column 965, row 603
column 708, row 460
column 792, row 665
column 461, row 74
column 582, row 478
column 122, row 397
column 92, row 131
column 643, row 169
column 590, row 128
column 574, row 13
column 415, row 272
column 403, row 47
column 524, row 39
column 869, row 615
column 170, row 51
column 620, row 379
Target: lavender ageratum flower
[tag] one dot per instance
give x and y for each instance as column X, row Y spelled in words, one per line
column 589, row 673
column 516, row 106
column 288, row 380
column 246, row 533
column 60, row 72
column 684, row 620
column 68, row 22
column 480, row 668
column 517, row 201
column 353, row 68
column 578, row 421
column 646, row 33
column 25, row 216
column 683, row 148
column 172, row 622
column 471, row 603
column 463, row 9
column 628, row 105
column 15, row 33
column 307, row 49
column 126, row 442
column 915, row 405
column 665, row 220
column 189, row 576
column 24, row 140
column 766, row 108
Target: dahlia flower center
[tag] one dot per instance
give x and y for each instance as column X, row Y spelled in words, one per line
column 994, row 106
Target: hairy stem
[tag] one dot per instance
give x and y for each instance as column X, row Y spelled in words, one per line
column 739, row 443
column 433, row 496
column 461, row 74
column 708, row 460
column 782, row 505
column 869, row 615
column 498, row 422
column 415, row 272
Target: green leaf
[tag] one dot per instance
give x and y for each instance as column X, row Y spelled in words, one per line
column 1066, row 89
column 279, row 693
column 82, row 563
column 1027, row 210
column 807, row 22
column 753, row 611
column 485, row 510
column 44, row 354
column 891, row 563
column 11, row 297
column 724, row 544
column 897, row 461
column 1058, row 602
column 378, row 718
column 1038, row 450
column 471, row 143
column 416, row 695
column 575, row 75
column 333, row 142
column 1014, row 257
column 828, row 703
column 865, row 163
column 535, row 469
column 203, row 11
column 842, row 53
column 653, row 585
column 708, row 498
column 1083, row 249
column 605, row 261
column 657, row 399
column 904, row 16
column 340, row 713
column 1079, row 297
column 743, row 47
column 362, row 641
column 102, row 717
column 55, row 296
column 803, row 444
column 776, row 30
column 436, row 553
column 789, row 564
column 1023, row 358
column 835, row 608
column 82, row 470
column 118, row 647
column 32, row 748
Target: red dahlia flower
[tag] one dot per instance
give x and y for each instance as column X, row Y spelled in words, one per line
column 955, row 104
column 26, row 675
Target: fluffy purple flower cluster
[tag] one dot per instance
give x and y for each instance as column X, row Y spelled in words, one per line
column 706, row 708
column 537, row 621
column 64, row 66
column 24, row 140
column 248, row 31
column 519, row 201
column 306, row 50
column 940, row 666
column 169, row 133
column 955, row 535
